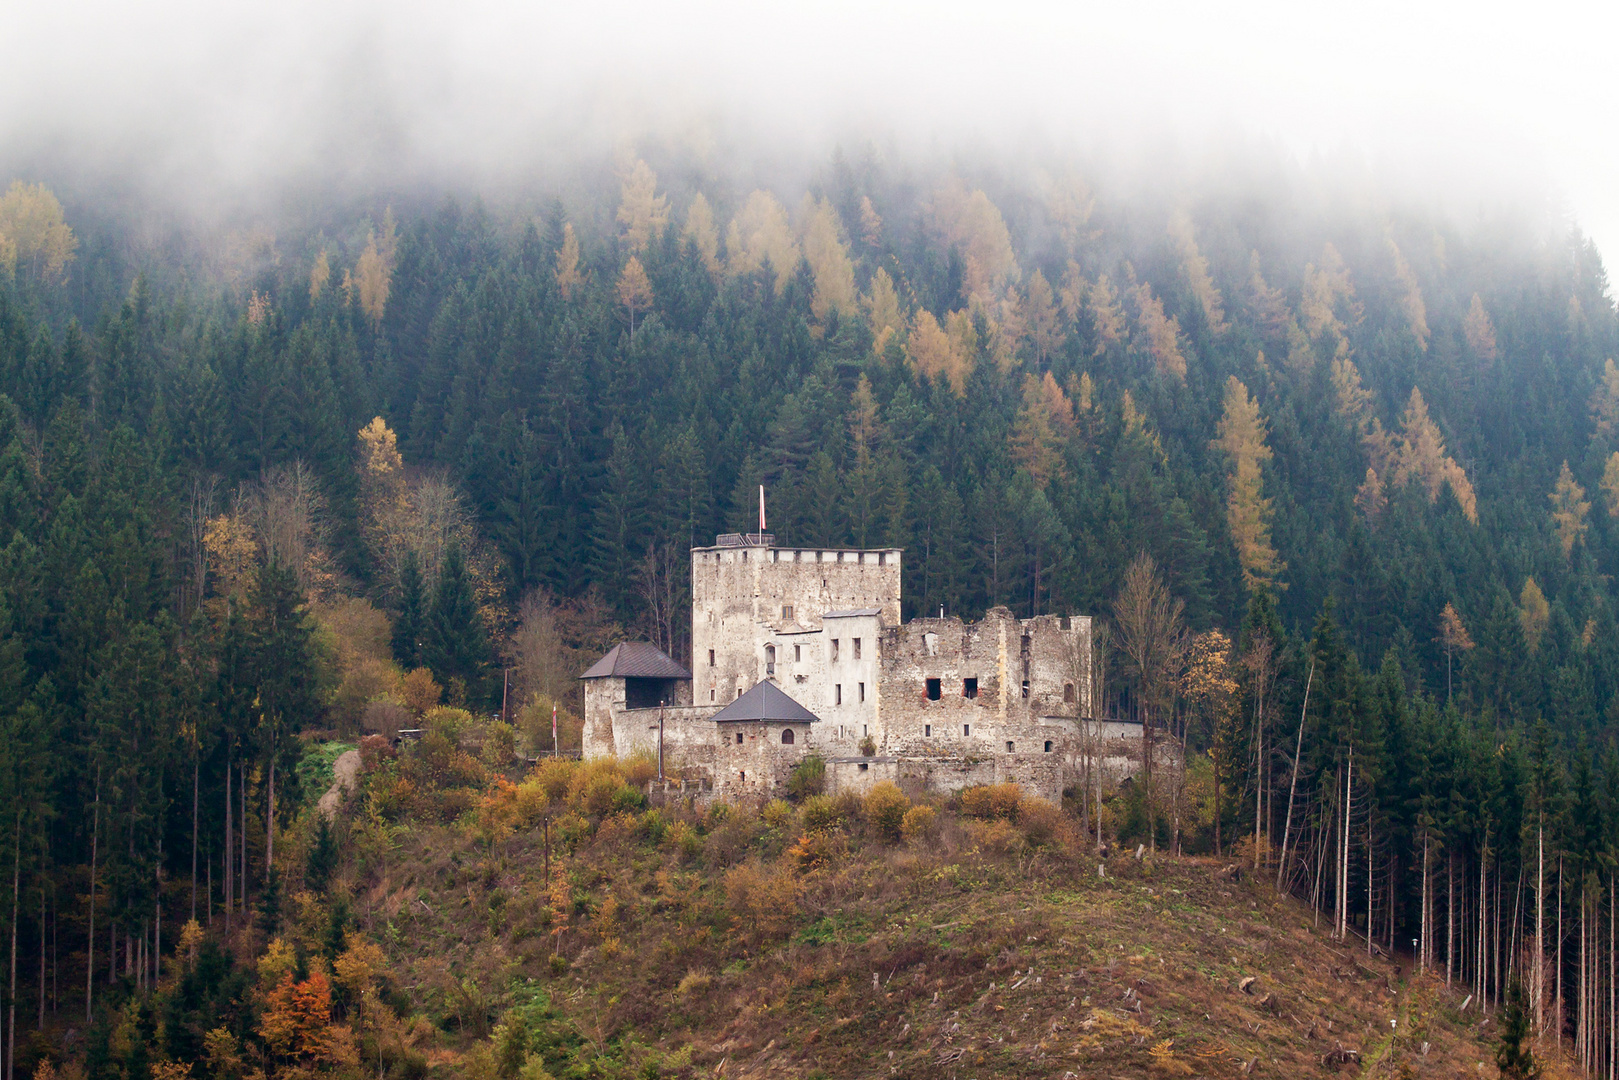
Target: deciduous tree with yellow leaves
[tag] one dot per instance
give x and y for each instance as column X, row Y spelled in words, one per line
column 1421, row 458
column 373, row 274
column 567, row 274
column 34, row 235
column 760, row 235
column 1162, row 333
column 1196, row 268
column 1242, row 440
column 1044, row 423
column 1479, row 331
column 937, row 354
column 1569, row 509
column 634, row 290
column 828, row 258
column 969, row 222
column 1416, row 311
column 642, row 212
column 701, row 232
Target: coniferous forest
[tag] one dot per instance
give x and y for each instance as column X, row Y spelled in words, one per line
column 415, row 462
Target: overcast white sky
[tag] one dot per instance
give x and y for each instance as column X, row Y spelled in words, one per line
column 1476, row 100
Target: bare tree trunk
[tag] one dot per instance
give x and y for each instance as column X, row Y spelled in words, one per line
column 16, row 912
column 40, row 1026
column 1450, row 915
column 90, row 940
column 1539, row 974
column 1293, row 786
column 269, row 821
column 229, row 847
column 196, row 765
column 242, row 795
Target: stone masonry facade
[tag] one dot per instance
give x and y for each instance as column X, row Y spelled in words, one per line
column 944, row 703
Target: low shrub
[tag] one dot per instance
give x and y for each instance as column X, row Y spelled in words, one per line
column 885, row 809
column 822, row 812
column 919, row 824
column 1039, row 819
column 685, row 841
column 996, row 835
column 807, row 778
column 777, row 814
column 814, row 850
column 992, row 801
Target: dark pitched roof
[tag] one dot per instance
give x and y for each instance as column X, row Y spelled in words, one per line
column 636, row 660
column 766, row 701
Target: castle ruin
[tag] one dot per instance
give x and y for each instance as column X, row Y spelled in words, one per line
column 801, row 650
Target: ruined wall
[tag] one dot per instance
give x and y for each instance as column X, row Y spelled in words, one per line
column 744, row 598
column 995, row 679
column 688, row 736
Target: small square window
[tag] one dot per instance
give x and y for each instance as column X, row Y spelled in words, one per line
column 933, row 689
column 837, row 694
column 862, row 691
column 1048, row 746
column 834, row 650
column 787, row 613
column 969, row 688
column 864, row 767
column 856, row 648
column 1008, row 748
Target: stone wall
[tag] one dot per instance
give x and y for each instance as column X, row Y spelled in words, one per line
column 744, row 598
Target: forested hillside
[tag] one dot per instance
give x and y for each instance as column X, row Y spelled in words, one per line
column 262, row 486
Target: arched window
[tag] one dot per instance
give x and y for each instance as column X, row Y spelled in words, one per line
column 770, row 659
column 786, row 736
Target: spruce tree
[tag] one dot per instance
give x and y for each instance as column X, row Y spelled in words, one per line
column 410, row 623
column 1514, row 1055
column 456, row 647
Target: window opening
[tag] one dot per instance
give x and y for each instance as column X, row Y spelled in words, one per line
column 1025, row 687
column 770, row 659
column 966, row 730
column 1008, row 748
column 864, row 766
column 739, row 738
column 933, row 689
column 837, row 694
column 787, row 613
column 1048, row 746
column 862, row 691
column 856, row 648
column 787, row 738
column 969, row 688
column 834, row 650
column 1068, row 692
column 711, row 693
column 711, row 658
column 798, row 654
column 927, row 731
